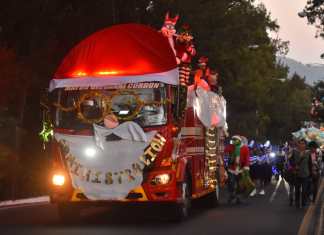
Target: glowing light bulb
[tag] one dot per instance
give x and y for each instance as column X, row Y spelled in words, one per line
column 90, row 152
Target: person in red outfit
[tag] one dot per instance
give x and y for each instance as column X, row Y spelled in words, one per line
column 238, row 163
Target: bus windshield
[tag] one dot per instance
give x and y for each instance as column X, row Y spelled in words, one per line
column 79, row 109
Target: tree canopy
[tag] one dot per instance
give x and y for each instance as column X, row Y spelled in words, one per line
column 314, row 12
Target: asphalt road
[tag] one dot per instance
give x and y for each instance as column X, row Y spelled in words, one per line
column 269, row 214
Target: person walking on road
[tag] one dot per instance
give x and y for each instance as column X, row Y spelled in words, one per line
column 303, row 167
column 238, row 165
column 289, row 172
column 262, row 174
column 315, row 171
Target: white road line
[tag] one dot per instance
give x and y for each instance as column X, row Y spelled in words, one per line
column 276, row 189
column 287, row 187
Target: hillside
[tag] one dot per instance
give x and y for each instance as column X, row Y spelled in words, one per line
column 312, row 72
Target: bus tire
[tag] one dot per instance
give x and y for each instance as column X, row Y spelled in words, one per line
column 68, row 213
column 183, row 207
column 212, row 199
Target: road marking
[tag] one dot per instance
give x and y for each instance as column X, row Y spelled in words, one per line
column 287, row 187
column 304, row 227
column 276, row 189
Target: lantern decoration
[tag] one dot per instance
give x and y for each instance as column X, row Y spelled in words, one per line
column 211, row 158
column 214, row 164
column 185, row 51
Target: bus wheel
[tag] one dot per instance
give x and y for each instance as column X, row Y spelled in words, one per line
column 68, row 213
column 183, row 207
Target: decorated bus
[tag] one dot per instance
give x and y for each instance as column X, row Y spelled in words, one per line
column 124, row 130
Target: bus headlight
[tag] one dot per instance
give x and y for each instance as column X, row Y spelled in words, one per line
column 90, row 152
column 161, row 179
column 58, row 180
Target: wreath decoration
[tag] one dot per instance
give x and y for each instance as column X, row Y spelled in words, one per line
column 64, row 109
column 138, row 101
column 107, row 105
column 91, row 95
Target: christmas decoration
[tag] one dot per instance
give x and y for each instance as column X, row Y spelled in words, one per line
column 106, row 103
column 168, row 30
column 185, row 51
column 47, row 131
column 93, row 95
column 211, row 157
column 88, row 176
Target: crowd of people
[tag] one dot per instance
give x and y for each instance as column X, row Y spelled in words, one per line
column 302, row 170
column 251, row 167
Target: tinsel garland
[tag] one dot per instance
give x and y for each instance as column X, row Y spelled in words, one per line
column 47, row 131
column 107, row 105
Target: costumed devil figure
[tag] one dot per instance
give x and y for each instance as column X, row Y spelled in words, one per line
column 168, row 30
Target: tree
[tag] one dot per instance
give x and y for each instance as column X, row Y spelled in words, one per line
column 314, row 12
column 318, row 89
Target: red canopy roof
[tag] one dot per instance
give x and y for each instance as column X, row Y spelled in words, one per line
column 121, row 50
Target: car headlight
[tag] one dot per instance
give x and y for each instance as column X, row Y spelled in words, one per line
column 58, row 179
column 161, row 179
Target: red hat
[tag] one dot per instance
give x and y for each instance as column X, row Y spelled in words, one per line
column 203, row 60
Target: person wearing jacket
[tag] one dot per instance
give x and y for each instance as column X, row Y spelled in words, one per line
column 303, row 168
column 315, row 171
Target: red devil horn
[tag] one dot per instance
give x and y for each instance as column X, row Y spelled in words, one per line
column 167, row 16
column 176, row 18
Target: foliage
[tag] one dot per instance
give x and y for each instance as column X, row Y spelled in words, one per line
column 318, row 89
column 314, row 12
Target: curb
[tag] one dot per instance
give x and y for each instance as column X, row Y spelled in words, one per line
column 24, row 201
